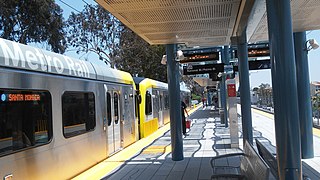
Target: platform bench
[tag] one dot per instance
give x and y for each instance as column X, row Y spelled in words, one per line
column 252, row 166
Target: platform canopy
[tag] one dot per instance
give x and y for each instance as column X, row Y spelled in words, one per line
column 205, row 22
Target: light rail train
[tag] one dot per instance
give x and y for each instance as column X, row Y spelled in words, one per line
column 59, row 116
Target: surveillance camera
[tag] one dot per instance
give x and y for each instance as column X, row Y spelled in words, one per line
column 164, row 60
column 312, row 44
column 180, row 55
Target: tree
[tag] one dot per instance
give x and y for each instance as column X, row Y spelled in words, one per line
column 94, row 30
column 139, row 58
column 265, row 94
column 33, row 21
column 315, row 101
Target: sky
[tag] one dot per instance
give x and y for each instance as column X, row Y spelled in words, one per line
column 256, row 77
column 76, row 6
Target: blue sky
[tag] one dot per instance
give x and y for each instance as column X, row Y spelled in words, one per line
column 256, row 77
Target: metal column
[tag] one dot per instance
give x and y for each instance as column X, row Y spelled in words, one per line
column 284, row 86
column 245, row 98
column 175, row 104
column 223, row 100
column 305, row 112
column 225, row 59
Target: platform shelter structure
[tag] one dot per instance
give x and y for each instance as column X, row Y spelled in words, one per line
column 210, row 23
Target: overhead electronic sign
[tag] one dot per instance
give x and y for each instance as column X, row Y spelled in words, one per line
column 200, row 55
column 257, row 50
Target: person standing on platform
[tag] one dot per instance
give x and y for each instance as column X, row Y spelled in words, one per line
column 204, row 102
column 184, row 110
column 216, row 103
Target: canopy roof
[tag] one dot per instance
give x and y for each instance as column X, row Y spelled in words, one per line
column 205, row 22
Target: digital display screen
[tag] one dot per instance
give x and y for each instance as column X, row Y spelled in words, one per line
column 20, row 97
column 201, row 57
column 256, row 52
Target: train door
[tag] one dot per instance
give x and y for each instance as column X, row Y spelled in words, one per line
column 156, row 105
column 161, row 104
column 113, row 121
column 128, row 121
column 116, row 123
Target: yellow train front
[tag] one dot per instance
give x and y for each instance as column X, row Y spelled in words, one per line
column 153, row 104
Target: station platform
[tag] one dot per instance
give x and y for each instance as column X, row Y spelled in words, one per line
column 206, row 138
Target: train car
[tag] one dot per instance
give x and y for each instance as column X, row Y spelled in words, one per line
column 153, row 107
column 59, row 116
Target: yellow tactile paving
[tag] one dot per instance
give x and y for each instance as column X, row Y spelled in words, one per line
column 315, row 130
column 154, row 150
column 113, row 162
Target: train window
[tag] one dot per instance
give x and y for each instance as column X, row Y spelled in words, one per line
column 78, row 113
column 25, row 119
column 148, row 106
column 116, row 107
column 109, row 117
column 161, row 100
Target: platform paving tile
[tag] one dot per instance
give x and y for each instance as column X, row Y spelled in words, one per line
column 174, row 175
column 135, row 172
column 165, row 168
column 149, row 172
column 180, row 165
column 205, row 169
column 192, row 171
column 157, row 177
column 121, row 173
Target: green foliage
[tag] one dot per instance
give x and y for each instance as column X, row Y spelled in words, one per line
column 94, row 30
column 139, row 58
column 33, row 21
column 315, row 100
column 196, row 97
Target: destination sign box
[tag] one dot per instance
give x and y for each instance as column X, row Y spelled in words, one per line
column 203, row 69
column 20, row 97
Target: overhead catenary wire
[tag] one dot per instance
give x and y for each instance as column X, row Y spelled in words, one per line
column 69, row 6
column 85, row 2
